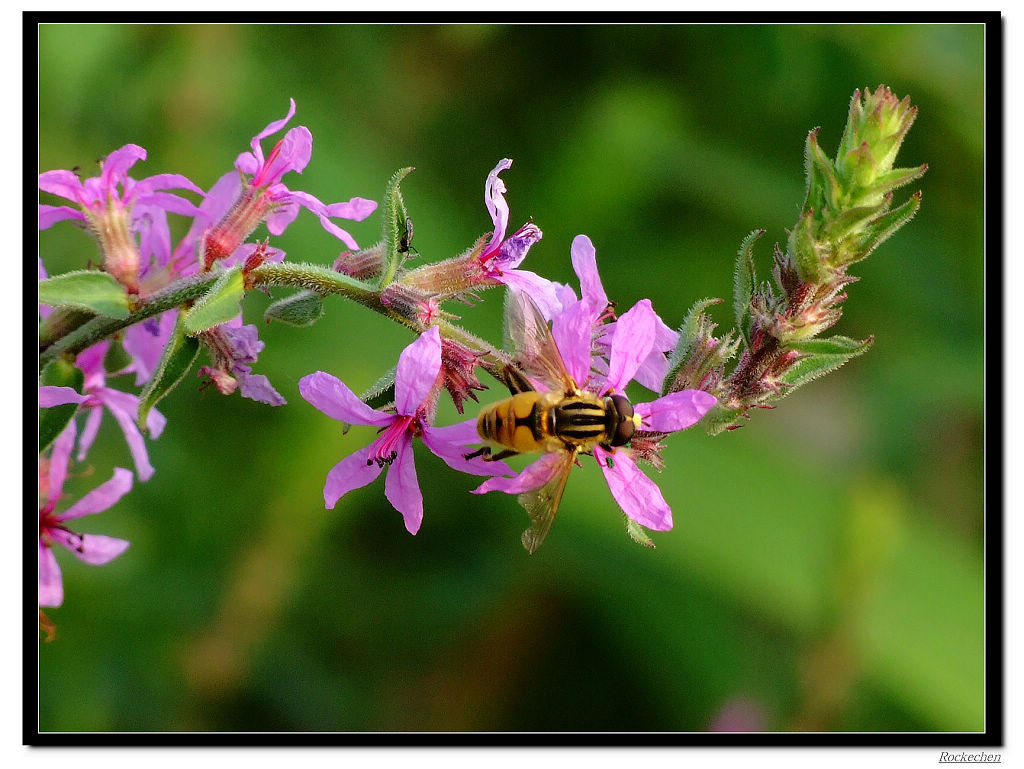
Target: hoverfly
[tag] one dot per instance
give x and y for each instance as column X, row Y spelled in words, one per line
column 562, row 419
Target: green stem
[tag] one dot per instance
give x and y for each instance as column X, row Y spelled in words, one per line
column 323, row 280
column 101, row 327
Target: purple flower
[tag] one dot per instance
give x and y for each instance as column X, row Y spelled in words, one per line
column 239, row 206
column 232, row 348
column 416, row 387
column 501, row 256
column 122, row 406
column 653, row 368
column 637, row 495
column 91, row 548
column 110, row 212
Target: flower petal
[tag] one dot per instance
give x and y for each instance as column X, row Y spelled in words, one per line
column 104, row 496
column 355, row 209
column 584, row 263
column 292, row 153
column 52, row 395
column 257, row 387
column 118, row 163
column 92, row 426
column 274, row 127
column 675, row 411
column 418, row 366
column 57, row 470
column 634, row 337
column 97, row 549
column 402, row 488
column 572, row 332
column 448, row 446
column 51, row 587
column 532, row 477
column 353, row 472
column 637, row 495
column 494, row 198
column 543, row 291
column 124, row 408
column 331, row 396
column 64, row 184
column 50, row 215
column 460, row 434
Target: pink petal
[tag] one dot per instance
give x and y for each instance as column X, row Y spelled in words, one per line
column 331, row 396
column 168, row 201
column 90, row 361
column 145, row 347
column 104, row 496
column 165, row 182
column 124, row 408
column 97, row 549
column 51, row 587
column 675, row 411
column 274, row 127
column 340, row 234
column 51, row 395
column 92, row 426
column 584, row 262
column 50, row 215
column 572, row 331
column 58, row 467
column 355, row 209
column 459, row 434
column 293, row 154
column 494, row 192
column 418, row 366
column 532, row 477
column 62, row 183
column 283, row 215
column 634, row 337
column 352, row 472
column 117, row 164
column 543, row 292
column 637, row 495
column 449, row 447
column 401, row 487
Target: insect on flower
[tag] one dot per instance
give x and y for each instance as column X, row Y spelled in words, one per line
column 565, row 420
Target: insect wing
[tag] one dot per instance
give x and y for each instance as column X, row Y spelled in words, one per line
column 542, row 503
column 529, row 338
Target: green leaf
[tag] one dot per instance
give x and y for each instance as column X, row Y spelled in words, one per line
column 823, row 189
column 638, row 533
column 720, row 419
column 394, row 226
column 744, row 282
column 881, row 228
column 805, row 251
column 302, row 309
column 89, row 290
column 823, row 356
column 218, row 305
column 53, row 420
column 177, row 358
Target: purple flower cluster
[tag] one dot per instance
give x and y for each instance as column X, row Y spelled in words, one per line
column 129, row 220
column 599, row 354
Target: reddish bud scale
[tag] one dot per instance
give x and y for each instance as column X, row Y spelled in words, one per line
column 458, row 363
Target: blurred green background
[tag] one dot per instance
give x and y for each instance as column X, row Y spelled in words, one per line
column 826, row 567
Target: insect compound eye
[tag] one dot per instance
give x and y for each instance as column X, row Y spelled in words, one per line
column 624, row 425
